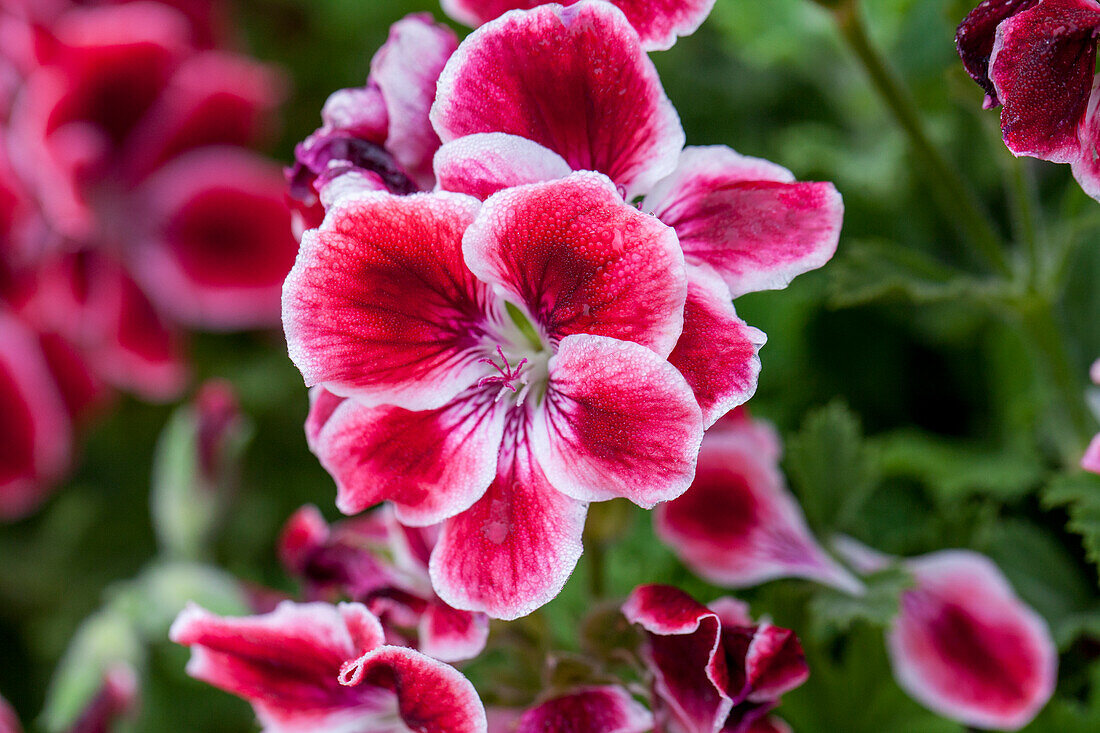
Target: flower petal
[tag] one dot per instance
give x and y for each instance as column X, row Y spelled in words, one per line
column 405, row 71
column 609, row 112
column 223, row 242
column 717, row 353
column 658, row 22
column 380, row 304
column 747, row 218
column 738, row 525
column 1086, row 169
column 513, row 550
column 1042, row 67
column 606, row 709
column 774, row 663
column 966, row 647
column 975, row 35
column 322, row 404
column 618, row 421
column 579, row 260
column 450, row 635
column 480, row 165
column 432, row 464
column 1091, row 460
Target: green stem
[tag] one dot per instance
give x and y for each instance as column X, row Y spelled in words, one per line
column 951, row 192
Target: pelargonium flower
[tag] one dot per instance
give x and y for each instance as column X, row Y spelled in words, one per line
column 657, row 23
column 503, row 364
column 597, row 709
column 963, row 644
column 1091, row 460
column 1037, row 58
column 374, row 560
column 314, row 666
column 738, row 525
column 714, row 669
column 378, row 134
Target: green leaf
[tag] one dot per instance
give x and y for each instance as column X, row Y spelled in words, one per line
column 1079, row 493
column 831, row 468
column 833, row 612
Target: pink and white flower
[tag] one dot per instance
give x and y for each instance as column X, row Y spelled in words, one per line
column 504, row 365
column 657, row 23
column 374, row 560
column 1038, row 60
column 713, row 669
column 738, row 525
column 963, row 644
column 314, row 666
column 602, row 709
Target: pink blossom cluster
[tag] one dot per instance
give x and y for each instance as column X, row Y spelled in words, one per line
column 131, row 209
column 1037, row 59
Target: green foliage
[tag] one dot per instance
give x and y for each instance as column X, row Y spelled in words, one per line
column 833, row 613
column 1079, row 493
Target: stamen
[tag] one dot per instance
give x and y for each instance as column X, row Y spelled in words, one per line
column 507, row 373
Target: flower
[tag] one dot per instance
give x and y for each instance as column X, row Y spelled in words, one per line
column 503, row 364
column 314, row 666
column 1038, row 60
column 713, row 668
column 963, row 644
column 1091, row 460
column 349, row 560
column 657, row 23
column 599, row 709
column 738, row 525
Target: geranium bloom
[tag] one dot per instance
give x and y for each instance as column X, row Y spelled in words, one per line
column 504, row 365
column 1091, row 460
column 1038, row 59
column 738, row 525
column 658, row 23
column 714, row 669
column 384, row 565
column 963, row 644
column 604, row 709
column 314, row 666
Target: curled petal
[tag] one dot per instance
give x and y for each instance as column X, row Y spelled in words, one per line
column 975, row 35
column 746, row 218
column 717, row 353
column 480, row 165
column 966, row 647
column 579, row 260
column 450, row 635
column 619, row 421
column 513, row 550
column 1042, row 68
column 380, row 304
column 223, row 244
column 607, row 709
column 1086, row 169
column 609, row 112
column 431, row 464
column 774, row 663
column 738, row 525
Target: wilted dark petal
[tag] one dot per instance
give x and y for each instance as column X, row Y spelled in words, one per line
column 975, row 35
column 608, row 709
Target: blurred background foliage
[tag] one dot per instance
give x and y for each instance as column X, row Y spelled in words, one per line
column 902, row 377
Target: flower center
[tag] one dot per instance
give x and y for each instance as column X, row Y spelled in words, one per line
column 526, row 370
column 508, row 373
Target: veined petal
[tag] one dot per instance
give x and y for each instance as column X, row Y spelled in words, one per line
column 746, row 218
column 1042, row 67
column 450, row 635
column 479, row 165
column 717, row 353
column 617, row 421
column 738, row 525
column 432, row 464
column 405, row 71
column 608, row 111
column 222, row 244
column 514, row 549
column 966, row 647
column 606, row 709
column 581, row 261
column 381, row 305
column 975, row 35
column 658, row 22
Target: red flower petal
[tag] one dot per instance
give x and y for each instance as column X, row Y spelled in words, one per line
column 619, row 421
column 965, row 646
column 224, row 244
column 9, row 721
column 431, row 464
column 747, row 218
column 1091, row 460
column 574, row 80
column 579, row 260
column 738, row 525
column 976, row 34
column 717, row 353
column 607, row 709
column 380, row 304
column 1086, row 169
column 480, row 165
column 450, row 635
column 1042, row 67
column 322, row 404
column 513, row 550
